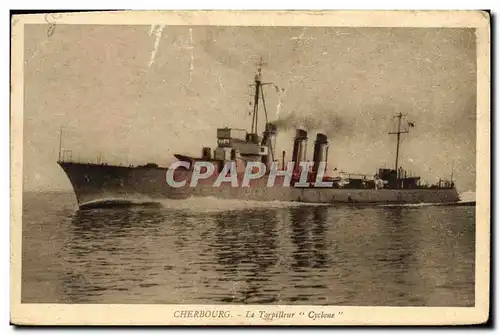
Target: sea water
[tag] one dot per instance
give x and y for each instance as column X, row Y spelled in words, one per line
column 214, row 251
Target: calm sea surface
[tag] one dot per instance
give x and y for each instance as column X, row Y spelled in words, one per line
column 231, row 252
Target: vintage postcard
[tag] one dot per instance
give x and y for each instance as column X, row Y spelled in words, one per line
column 250, row 168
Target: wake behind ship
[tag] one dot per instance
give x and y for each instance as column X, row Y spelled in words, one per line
column 100, row 185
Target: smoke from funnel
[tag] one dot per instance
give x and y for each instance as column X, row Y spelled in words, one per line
column 330, row 124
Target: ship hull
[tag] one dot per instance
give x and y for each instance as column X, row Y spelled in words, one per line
column 96, row 184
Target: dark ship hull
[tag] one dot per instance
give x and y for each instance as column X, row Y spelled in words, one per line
column 100, row 185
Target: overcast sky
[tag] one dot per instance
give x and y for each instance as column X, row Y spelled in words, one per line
column 138, row 94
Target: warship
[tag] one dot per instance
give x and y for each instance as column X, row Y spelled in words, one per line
column 102, row 185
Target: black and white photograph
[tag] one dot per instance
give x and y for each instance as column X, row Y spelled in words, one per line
column 259, row 168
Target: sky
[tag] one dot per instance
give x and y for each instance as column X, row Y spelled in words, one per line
column 138, row 94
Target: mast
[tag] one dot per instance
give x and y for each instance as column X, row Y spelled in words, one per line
column 258, row 90
column 398, row 136
column 60, row 143
column 452, row 170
